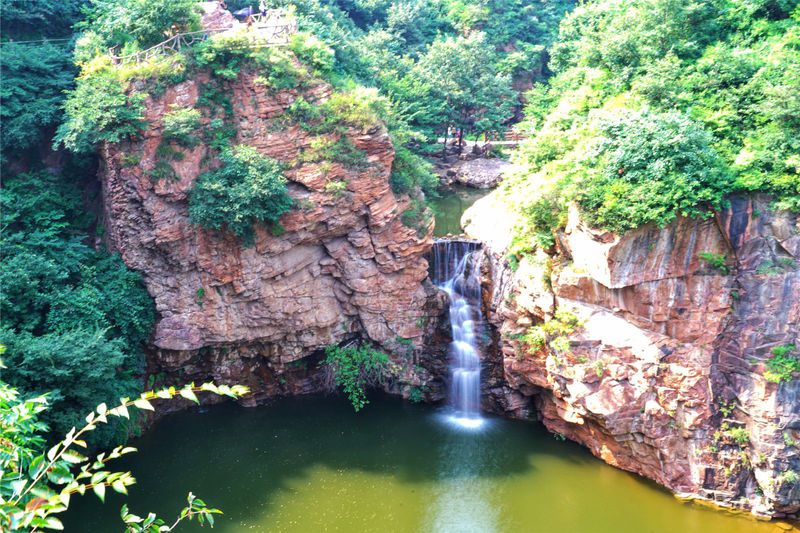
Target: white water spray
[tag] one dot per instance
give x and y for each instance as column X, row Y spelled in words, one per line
column 457, row 274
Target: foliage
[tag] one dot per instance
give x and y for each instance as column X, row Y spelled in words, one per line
column 225, row 55
column 338, row 148
column 783, row 364
column 180, row 125
column 410, row 171
column 461, row 73
column 99, row 110
column 248, row 188
column 35, row 77
column 715, row 261
column 660, row 108
column 355, row 367
column 23, row 19
column 74, row 319
column 553, row 333
column 734, row 435
column 417, row 216
column 143, row 22
column 336, row 187
column 650, row 168
column 35, row 486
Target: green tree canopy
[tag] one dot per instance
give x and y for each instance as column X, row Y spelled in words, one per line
column 144, row 22
column 248, row 188
column 461, row 72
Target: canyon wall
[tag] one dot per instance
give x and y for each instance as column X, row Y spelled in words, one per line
column 663, row 375
column 344, row 267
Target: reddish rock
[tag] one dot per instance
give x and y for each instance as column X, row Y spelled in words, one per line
column 669, row 349
column 345, row 266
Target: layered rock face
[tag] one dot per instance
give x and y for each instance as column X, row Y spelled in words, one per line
column 345, row 266
column 664, row 374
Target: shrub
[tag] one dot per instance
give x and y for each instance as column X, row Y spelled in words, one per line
column 410, row 171
column 554, row 332
column 339, row 149
column 360, row 108
column 783, row 364
column 312, row 52
column 651, row 167
column 715, row 261
column 99, row 110
column 354, row 368
column 180, row 125
column 336, row 187
column 247, row 188
column 417, row 216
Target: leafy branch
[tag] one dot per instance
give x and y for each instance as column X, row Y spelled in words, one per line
column 33, row 490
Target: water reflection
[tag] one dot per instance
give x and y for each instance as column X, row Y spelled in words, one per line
column 305, row 465
column 463, row 500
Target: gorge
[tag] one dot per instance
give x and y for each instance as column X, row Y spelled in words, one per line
column 584, row 318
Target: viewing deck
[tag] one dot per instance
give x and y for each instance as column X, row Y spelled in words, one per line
column 275, row 28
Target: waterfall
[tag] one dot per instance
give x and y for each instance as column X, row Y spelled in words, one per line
column 456, row 272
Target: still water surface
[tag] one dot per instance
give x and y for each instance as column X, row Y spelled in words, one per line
column 450, row 206
column 311, row 464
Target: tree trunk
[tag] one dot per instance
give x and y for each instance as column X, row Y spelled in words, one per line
column 444, row 148
column 460, row 139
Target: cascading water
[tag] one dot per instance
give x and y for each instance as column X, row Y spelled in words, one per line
column 454, row 271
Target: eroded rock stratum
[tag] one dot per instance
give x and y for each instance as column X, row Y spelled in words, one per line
column 345, row 266
column 665, row 377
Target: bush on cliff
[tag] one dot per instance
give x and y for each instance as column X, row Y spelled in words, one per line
column 99, row 110
column 355, row 367
column 650, row 167
column 248, row 188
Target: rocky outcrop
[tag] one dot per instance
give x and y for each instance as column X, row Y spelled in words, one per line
column 664, row 375
column 480, row 173
column 344, row 267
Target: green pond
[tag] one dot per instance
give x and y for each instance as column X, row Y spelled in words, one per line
column 311, row 464
column 449, row 207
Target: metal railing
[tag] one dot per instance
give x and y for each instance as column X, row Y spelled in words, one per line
column 261, row 30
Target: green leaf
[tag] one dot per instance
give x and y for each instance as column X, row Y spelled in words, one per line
column 100, row 491
column 189, row 395
column 53, row 523
column 141, row 403
column 119, row 486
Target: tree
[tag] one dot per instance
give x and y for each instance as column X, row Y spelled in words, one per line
column 143, row 22
column 35, row 77
column 651, row 167
column 75, row 319
column 23, row 19
column 35, row 486
column 461, row 72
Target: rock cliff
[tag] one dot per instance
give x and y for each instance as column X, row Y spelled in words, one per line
column 346, row 266
column 663, row 375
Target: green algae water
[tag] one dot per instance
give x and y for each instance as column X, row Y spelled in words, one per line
column 312, row 464
column 450, row 206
